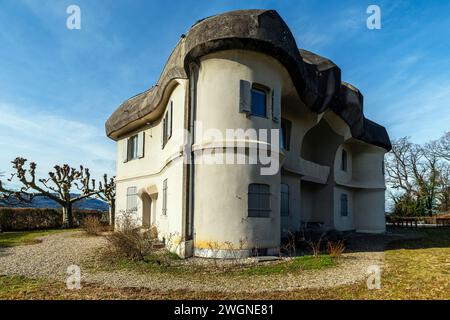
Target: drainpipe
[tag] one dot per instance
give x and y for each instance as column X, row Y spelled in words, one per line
column 193, row 77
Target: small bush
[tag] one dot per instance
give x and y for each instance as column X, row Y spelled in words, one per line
column 130, row 242
column 92, row 226
column 335, row 249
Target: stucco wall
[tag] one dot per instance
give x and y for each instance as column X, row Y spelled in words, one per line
column 220, row 213
column 157, row 165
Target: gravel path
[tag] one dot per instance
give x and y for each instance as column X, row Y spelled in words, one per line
column 50, row 259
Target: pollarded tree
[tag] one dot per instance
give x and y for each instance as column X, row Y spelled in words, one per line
column 107, row 193
column 57, row 187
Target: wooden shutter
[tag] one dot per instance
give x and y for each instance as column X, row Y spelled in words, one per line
column 276, row 110
column 245, row 94
column 163, row 132
column 125, row 150
column 141, row 142
column 169, row 120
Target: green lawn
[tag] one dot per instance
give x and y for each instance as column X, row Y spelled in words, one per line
column 9, row 239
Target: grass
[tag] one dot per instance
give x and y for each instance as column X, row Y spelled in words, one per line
column 295, row 265
column 169, row 263
column 414, row 269
column 10, row 239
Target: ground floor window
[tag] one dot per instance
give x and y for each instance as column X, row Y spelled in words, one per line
column 344, row 205
column 284, row 200
column 132, row 199
column 259, row 200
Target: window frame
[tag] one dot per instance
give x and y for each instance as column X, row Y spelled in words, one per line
column 263, row 89
column 132, row 147
column 259, row 212
column 133, row 194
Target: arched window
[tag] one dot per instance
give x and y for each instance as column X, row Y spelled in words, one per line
column 344, row 160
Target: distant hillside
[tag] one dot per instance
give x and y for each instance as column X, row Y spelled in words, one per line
column 44, row 202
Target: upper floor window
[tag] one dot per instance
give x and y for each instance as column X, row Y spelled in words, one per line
column 133, row 147
column 259, row 200
column 132, row 199
column 344, row 160
column 167, row 125
column 383, row 167
column 344, row 205
column 285, row 136
column 259, row 102
column 284, row 200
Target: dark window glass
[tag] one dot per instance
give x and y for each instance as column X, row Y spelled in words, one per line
column 284, row 200
column 259, row 103
column 285, row 136
column 344, row 160
column 344, row 205
column 259, row 200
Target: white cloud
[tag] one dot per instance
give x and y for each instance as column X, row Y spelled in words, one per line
column 49, row 139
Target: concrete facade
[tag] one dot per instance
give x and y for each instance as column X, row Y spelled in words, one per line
column 204, row 208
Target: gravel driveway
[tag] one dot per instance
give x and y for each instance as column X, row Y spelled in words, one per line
column 50, row 259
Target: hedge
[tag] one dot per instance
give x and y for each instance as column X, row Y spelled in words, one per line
column 24, row 219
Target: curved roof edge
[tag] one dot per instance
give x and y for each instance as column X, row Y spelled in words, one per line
column 316, row 79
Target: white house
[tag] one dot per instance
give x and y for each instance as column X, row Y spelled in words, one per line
column 243, row 70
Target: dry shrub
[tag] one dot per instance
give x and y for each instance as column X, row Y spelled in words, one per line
column 289, row 247
column 129, row 241
column 92, row 226
column 336, row 249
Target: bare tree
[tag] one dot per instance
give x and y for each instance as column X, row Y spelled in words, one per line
column 57, row 187
column 442, row 146
column 398, row 169
column 418, row 175
column 107, row 193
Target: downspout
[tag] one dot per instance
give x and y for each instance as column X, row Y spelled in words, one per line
column 193, row 77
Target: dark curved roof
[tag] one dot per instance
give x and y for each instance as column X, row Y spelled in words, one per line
column 316, row 79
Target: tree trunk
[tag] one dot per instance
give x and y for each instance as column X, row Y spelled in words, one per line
column 67, row 216
column 112, row 214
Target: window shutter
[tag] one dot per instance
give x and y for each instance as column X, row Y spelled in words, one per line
column 276, row 111
column 163, row 132
column 140, row 150
column 169, row 120
column 125, row 150
column 245, row 97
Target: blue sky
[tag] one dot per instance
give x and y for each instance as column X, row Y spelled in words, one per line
column 58, row 86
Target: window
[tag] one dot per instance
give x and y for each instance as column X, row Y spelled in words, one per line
column 383, row 167
column 259, row 102
column 164, row 204
column 344, row 160
column 132, row 199
column 284, row 200
column 259, row 200
column 133, row 148
column 167, row 125
column 344, row 205
column 285, row 136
